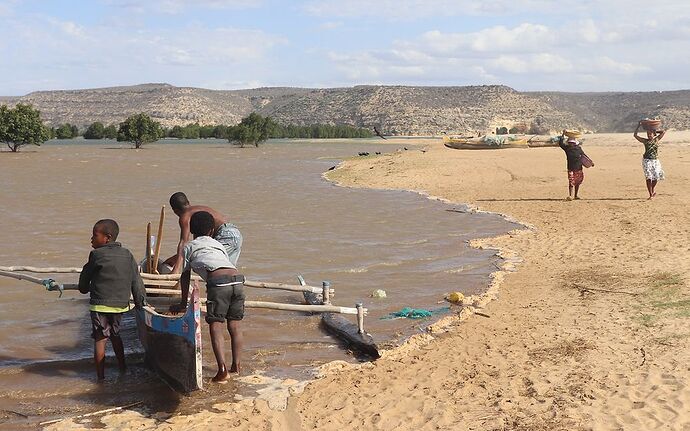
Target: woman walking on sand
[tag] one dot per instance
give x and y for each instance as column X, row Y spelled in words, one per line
column 574, row 154
column 650, row 161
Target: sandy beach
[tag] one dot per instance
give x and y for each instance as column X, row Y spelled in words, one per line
column 590, row 331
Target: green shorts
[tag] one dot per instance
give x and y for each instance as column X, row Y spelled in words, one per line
column 225, row 298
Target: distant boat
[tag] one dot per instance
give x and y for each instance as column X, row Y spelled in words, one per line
column 495, row 142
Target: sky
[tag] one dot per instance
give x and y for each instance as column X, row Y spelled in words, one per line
column 529, row 45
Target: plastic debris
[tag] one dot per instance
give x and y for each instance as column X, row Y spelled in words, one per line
column 378, row 293
column 455, row 297
column 415, row 313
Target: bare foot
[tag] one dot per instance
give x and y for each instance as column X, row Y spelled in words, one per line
column 569, row 198
column 577, row 198
column 221, row 376
column 235, row 368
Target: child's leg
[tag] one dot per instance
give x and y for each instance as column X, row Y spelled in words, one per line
column 218, row 344
column 99, row 356
column 653, row 193
column 649, row 188
column 119, row 350
column 577, row 188
column 236, row 341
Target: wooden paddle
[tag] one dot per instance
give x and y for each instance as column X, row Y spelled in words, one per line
column 157, row 253
column 148, row 247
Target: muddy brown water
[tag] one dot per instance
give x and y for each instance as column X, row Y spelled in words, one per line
column 293, row 222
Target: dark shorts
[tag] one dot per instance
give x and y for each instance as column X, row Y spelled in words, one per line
column 225, row 298
column 105, row 325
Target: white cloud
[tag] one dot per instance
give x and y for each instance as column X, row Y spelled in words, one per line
column 331, row 25
column 584, row 55
column 178, row 6
column 414, row 9
column 79, row 56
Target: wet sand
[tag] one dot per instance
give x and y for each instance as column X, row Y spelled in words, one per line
column 591, row 332
column 293, row 222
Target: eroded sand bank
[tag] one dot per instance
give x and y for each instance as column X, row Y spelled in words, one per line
column 591, row 332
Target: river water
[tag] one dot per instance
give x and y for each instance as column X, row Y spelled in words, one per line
column 293, row 222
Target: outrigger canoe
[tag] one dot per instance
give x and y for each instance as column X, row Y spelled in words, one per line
column 172, row 344
column 484, row 142
column 493, row 142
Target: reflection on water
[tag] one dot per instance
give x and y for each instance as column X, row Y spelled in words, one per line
column 292, row 220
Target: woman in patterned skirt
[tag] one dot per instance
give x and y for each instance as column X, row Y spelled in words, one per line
column 650, row 161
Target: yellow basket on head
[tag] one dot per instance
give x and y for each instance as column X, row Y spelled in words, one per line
column 574, row 134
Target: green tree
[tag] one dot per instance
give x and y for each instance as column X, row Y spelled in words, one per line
column 22, row 125
column 110, row 132
column 177, row 132
column 220, row 131
column 206, row 132
column 253, row 129
column 139, row 129
column 66, row 131
column 95, row 131
column 191, row 131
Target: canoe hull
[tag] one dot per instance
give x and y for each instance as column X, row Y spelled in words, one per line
column 172, row 345
column 481, row 144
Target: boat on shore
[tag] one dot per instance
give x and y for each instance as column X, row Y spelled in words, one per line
column 488, row 142
column 495, row 142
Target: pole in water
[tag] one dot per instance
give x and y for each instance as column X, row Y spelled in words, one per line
column 360, row 317
column 326, row 292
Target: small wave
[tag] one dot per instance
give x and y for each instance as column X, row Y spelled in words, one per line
column 375, row 265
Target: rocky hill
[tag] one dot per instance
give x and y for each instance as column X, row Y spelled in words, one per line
column 395, row 110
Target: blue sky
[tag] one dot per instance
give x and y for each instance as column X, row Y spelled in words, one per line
column 584, row 45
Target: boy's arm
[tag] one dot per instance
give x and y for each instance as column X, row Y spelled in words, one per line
column 138, row 289
column 184, row 285
column 184, row 239
column 637, row 129
column 86, row 275
column 561, row 138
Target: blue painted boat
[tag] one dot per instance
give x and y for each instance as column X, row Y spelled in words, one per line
column 172, row 344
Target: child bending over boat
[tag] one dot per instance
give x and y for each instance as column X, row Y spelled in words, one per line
column 224, row 288
column 223, row 231
column 110, row 275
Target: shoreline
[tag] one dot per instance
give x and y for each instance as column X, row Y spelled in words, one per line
column 588, row 334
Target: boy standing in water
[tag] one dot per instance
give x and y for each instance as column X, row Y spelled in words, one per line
column 110, row 275
column 224, row 288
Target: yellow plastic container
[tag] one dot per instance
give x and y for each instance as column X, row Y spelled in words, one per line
column 455, row 297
